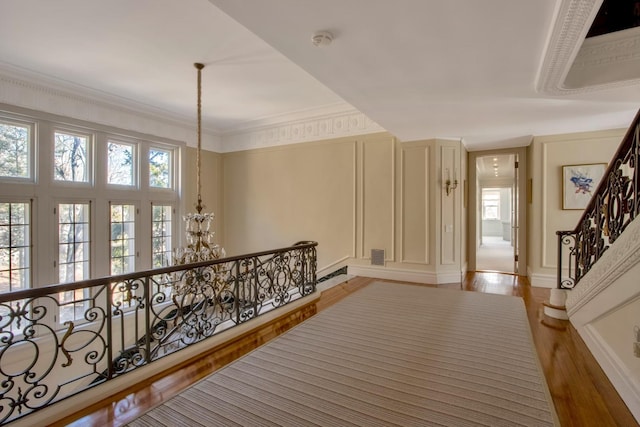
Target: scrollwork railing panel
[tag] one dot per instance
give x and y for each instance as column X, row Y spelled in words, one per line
column 613, row 206
column 59, row 340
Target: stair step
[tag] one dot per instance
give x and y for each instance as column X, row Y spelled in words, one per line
column 555, row 311
column 555, row 307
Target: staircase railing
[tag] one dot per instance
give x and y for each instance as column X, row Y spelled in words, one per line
column 114, row 325
column 613, row 206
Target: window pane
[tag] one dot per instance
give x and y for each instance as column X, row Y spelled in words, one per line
column 159, row 168
column 14, row 151
column 122, row 239
column 19, row 235
column 161, row 217
column 5, row 259
column 70, row 158
column 73, row 242
column 120, row 164
column 5, row 235
column 65, row 234
column 15, row 247
column 4, row 214
column 18, row 213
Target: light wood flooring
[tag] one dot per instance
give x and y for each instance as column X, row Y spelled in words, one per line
column 582, row 394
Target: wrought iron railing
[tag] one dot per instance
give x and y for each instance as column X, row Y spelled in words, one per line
column 57, row 341
column 613, row 206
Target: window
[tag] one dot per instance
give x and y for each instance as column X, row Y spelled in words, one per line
column 87, row 179
column 15, row 150
column 122, row 239
column 73, row 257
column 73, row 241
column 70, row 157
column 121, row 163
column 160, row 162
column 161, row 222
column 490, row 203
column 15, row 243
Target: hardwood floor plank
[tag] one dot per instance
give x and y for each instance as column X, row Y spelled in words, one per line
column 582, row 394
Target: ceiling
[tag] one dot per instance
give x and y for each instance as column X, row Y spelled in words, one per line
column 495, row 167
column 490, row 73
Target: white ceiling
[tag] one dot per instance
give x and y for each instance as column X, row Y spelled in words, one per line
column 464, row 69
column 495, row 166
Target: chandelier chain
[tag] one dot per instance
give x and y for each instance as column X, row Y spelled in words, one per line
column 199, row 146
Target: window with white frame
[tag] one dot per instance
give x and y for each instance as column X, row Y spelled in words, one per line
column 73, row 242
column 15, row 149
column 123, row 237
column 121, row 163
column 74, row 256
column 490, row 203
column 71, row 153
column 71, row 157
column 161, row 235
column 15, row 246
column 160, row 168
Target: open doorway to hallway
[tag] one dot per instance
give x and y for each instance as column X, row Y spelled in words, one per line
column 495, row 251
column 495, row 211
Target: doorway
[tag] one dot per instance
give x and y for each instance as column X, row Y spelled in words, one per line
column 496, row 211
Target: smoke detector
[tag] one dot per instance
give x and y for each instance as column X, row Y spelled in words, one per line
column 322, row 38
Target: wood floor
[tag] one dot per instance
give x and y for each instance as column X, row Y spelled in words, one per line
column 582, row 394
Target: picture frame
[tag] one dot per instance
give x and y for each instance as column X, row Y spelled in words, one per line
column 579, row 182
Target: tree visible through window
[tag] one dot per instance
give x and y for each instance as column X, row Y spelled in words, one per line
column 14, row 151
column 123, row 239
column 120, row 163
column 161, row 235
column 159, row 168
column 15, row 243
column 73, row 257
column 70, row 158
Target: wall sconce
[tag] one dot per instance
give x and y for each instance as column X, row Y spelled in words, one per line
column 448, row 185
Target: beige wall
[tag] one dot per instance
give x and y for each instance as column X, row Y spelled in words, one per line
column 547, row 155
column 211, row 193
column 351, row 195
column 372, row 192
column 617, row 330
column 277, row 196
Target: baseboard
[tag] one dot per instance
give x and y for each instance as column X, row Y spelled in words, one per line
column 415, row 276
column 334, row 281
column 542, row 280
column 616, row 371
column 336, row 265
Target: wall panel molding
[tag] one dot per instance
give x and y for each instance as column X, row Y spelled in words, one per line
column 424, row 152
column 369, row 163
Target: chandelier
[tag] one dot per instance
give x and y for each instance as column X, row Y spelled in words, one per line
column 200, row 246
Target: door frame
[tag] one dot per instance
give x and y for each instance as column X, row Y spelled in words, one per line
column 521, row 204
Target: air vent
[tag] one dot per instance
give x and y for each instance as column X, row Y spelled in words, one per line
column 377, row 256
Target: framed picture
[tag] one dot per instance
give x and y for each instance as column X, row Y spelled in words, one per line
column 578, row 184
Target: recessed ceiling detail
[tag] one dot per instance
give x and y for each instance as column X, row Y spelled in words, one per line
column 573, row 65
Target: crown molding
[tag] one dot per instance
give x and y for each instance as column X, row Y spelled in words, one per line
column 569, row 57
column 62, row 89
column 609, row 49
column 26, row 89
column 328, row 126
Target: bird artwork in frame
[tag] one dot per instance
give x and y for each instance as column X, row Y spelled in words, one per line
column 579, row 183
